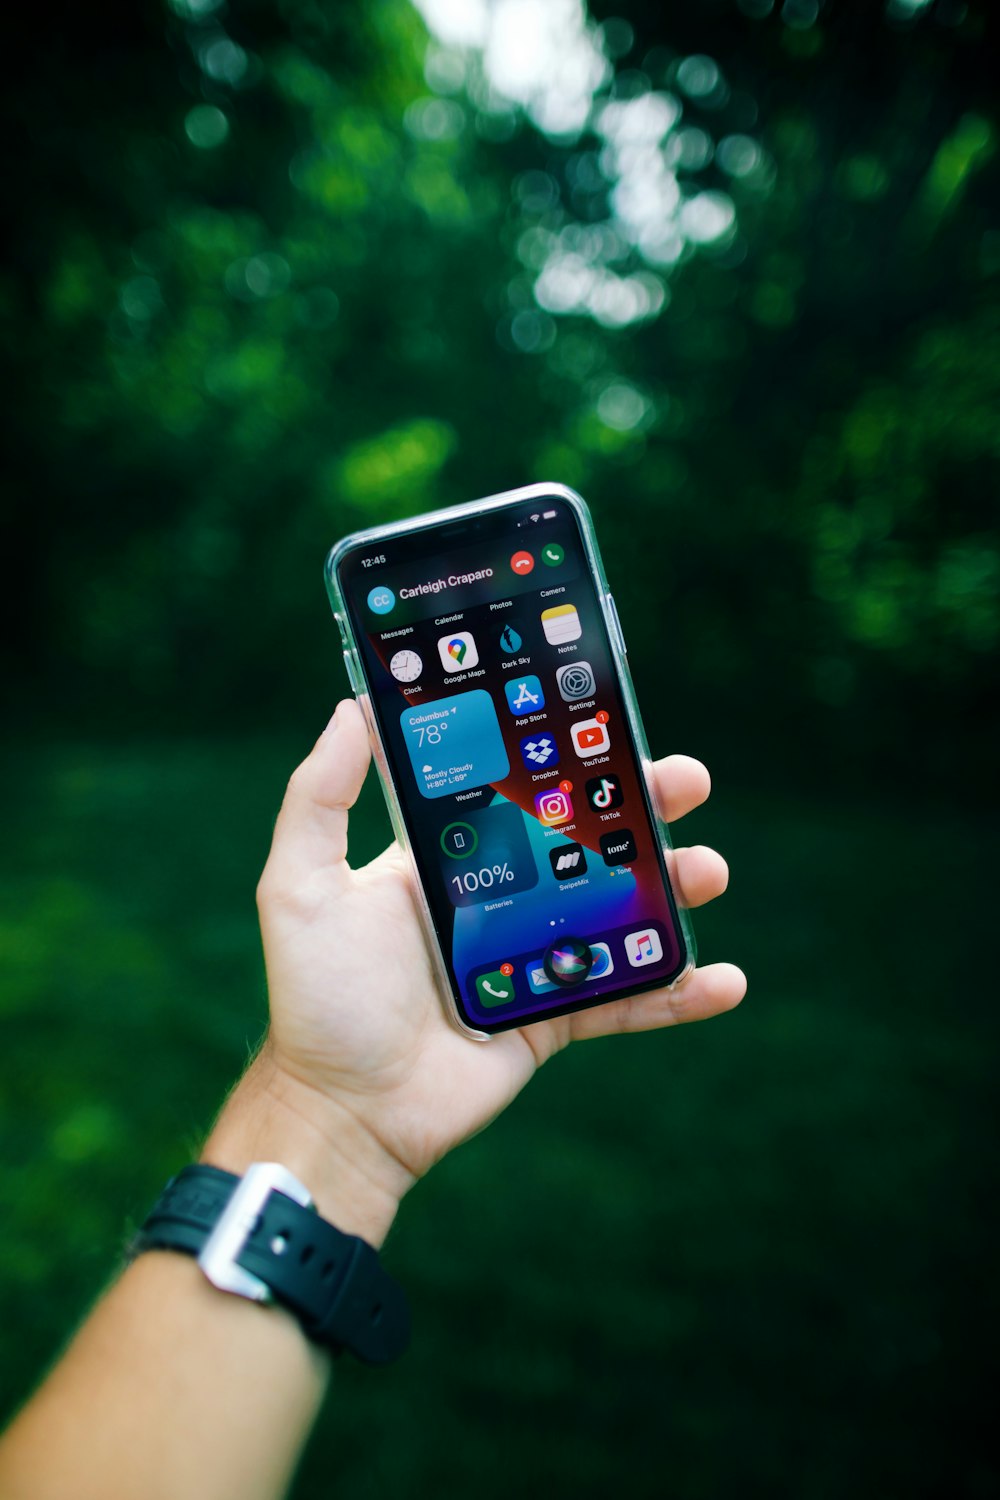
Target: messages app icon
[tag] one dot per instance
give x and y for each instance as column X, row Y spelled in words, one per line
column 454, row 744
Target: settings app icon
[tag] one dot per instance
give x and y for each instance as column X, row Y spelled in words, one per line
column 576, row 680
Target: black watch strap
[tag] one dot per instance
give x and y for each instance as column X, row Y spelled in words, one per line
column 331, row 1281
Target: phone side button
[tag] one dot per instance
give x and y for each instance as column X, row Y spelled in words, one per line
column 352, row 676
column 616, row 625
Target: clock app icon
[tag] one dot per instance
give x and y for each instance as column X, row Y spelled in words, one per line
column 406, row 666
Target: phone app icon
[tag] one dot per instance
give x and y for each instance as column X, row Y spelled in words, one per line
column 522, row 563
column 576, row 680
column 553, row 808
column 604, row 792
column 567, row 861
column 619, row 848
column 381, row 599
column 590, row 737
column 539, row 751
column 552, row 554
column 458, row 652
column 495, row 988
column 510, row 641
column 406, row 666
column 643, row 947
column 561, row 623
column 524, row 695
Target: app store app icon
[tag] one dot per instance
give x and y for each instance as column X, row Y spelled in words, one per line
column 524, row 695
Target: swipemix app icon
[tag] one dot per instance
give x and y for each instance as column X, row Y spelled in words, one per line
column 553, row 808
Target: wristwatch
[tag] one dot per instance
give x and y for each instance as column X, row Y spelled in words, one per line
column 260, row 1237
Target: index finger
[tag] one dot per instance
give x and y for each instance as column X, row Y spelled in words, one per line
column 680, row 784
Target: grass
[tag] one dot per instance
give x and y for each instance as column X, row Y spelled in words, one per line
column 744, row 1258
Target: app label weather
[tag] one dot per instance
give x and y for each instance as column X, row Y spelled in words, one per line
column 454, row 744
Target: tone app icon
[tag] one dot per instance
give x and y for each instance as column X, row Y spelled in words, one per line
column 458, row 652
column 590, row 737
column 553, row 808
column 561, row 623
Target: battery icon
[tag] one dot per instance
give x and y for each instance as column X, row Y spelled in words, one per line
column 549, row 515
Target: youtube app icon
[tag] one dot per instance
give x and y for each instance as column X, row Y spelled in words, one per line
column 590, row 737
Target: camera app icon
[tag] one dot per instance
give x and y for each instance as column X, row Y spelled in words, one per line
column 576, row 680
column 553, row 808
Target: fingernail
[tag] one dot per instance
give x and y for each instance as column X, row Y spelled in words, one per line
column 333, row 720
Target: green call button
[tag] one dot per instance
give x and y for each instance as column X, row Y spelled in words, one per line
column 495, row 988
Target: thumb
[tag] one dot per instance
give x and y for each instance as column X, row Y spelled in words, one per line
column 311, row 831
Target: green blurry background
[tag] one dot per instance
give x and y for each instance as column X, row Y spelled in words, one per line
column 277, row 269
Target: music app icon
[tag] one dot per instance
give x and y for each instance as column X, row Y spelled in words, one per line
column 643, row 947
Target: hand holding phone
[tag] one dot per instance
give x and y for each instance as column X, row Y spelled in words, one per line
column 360, row 1048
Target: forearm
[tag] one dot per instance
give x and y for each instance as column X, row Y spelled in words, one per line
column 173, row 1388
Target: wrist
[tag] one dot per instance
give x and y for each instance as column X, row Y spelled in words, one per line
column 354, row 1181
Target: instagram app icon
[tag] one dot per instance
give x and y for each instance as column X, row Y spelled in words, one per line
column 553, row 807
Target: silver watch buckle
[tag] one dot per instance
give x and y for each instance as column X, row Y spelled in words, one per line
column 237, row 1223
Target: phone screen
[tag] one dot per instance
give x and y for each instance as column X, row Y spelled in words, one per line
column 492, row 677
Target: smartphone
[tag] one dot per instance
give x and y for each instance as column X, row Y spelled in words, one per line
column 485, row 651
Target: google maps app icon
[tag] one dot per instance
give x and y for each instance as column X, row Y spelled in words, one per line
column 458, row 652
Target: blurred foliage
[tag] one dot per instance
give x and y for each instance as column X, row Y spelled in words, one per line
column 277, row 269
column 278, row 274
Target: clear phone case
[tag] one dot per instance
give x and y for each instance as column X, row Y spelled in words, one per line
column 355, row 673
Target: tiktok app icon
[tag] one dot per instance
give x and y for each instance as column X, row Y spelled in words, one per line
column 604, row 792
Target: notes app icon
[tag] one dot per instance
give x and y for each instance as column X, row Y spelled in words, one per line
column 643, row 947
column 561, row 623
